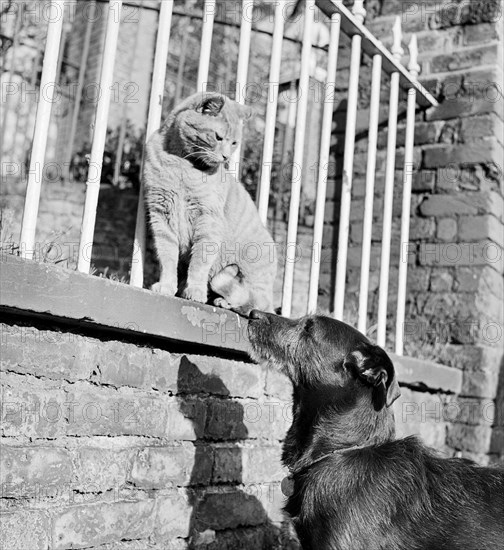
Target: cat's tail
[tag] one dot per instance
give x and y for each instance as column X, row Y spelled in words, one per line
column 236, row 294
column 227, row 283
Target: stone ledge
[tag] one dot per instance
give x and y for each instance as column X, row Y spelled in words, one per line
column 413, row 371
column 45, row 290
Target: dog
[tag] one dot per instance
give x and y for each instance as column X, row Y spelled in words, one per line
column 353, row 486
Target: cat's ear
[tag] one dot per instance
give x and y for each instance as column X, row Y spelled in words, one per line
column 211, row 105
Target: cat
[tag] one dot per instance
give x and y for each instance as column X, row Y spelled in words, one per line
column 207, row 232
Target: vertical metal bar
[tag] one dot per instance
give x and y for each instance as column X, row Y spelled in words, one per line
column 414, row 69
column 159, row 69
column 304, row 82
column 271, row 112
column 242, row 70
column 206, row 44
column 80, row 86
column 389, row 190
column 325, row 144
column 153, row 123
column 10, row 71
column 244, row 50
column 42, row 119
column 348, row 158
column 28, row 127
column 98, row 147
column 374, row 111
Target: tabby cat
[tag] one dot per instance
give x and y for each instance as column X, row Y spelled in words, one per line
column 207, row 232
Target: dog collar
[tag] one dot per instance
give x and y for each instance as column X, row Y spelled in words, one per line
column 287, row 483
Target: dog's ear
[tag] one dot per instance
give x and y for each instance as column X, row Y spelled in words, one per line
column 372, row 365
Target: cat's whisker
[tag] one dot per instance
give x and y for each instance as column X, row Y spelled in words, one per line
column 199, row 149
column 201, row 156
column 197, row 154
column 203, row 150
column 214, row 157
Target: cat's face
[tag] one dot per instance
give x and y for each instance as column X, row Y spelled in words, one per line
column 209, row 130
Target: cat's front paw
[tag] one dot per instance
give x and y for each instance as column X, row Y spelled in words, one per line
column 164, row 288
column 221, row 302
column 196, row 293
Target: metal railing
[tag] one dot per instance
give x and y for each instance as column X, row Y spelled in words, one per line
column 362, row 41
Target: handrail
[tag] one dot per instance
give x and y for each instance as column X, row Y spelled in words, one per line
column 350, row 23
column 372, row 46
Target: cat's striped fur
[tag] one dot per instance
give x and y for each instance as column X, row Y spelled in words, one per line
column 206, row 229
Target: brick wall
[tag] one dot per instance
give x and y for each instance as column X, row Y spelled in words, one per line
column 105, row 441
column 58, row 222
column 112, row 443
column 455, row 287
column 455, row 284
column 455, row 290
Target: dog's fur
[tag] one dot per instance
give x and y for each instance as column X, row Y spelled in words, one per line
column 381, row 493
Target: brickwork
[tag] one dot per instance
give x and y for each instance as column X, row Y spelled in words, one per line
column 59, row 219
column 106, row 440
column 455, row 285
column 113, row 444
column 458, row 208
column 455, row 291
column 19, row 80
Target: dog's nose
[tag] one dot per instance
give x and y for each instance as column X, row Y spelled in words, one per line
column 256, row 314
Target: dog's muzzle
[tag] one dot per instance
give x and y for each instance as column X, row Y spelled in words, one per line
column 258, row 315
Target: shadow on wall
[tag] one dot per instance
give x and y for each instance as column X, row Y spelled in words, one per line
column 223, row 515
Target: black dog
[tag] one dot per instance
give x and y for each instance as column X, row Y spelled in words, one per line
column 352, row 486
